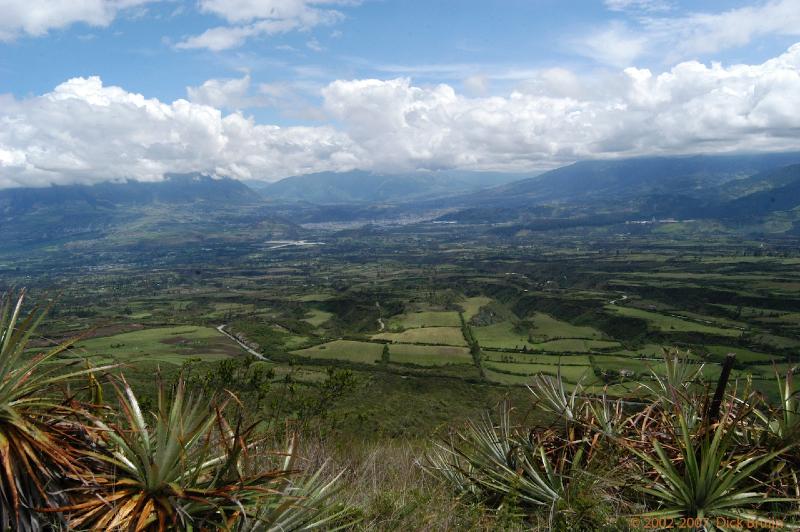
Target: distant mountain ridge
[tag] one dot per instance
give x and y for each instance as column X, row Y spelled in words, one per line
column 174, row 189
column 358, row 186
column 698, row 176
column 707, row 186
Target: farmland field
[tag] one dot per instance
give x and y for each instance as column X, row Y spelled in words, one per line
column 549, row 327
column 426, row 335
column 424, row 319
column 173, row 345
column 671, row 323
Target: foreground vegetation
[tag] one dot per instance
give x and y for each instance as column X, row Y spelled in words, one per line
column 72, row 462
column 376, row 342
column 685, row 453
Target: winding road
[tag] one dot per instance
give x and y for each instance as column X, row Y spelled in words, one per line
column 244, row 346
column 381, row 325
column 614, row 301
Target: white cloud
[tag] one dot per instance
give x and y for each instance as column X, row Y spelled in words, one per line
column 710, row 32
column 477, row 85
column 37, row 17
column 253, row 18
column 84, row 131
column 223, row 93
column 638, row 5
column 615, row 45
column 692, row 108
column 674, row 38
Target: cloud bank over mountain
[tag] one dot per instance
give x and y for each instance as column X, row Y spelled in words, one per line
column 85, row 131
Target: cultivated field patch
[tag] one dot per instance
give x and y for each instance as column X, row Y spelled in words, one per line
column 424, row 318
column 426, row 335
column 174, row 345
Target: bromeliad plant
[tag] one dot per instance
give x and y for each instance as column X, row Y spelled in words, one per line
column 668, row 453
column 181, row 467
column 37, row 448
column 178, row 470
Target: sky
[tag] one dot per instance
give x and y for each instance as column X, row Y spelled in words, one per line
column 96, row 90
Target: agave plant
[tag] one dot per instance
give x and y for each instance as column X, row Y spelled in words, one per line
column 36, row 445
column 709, row 477
column 783, row 422
column 184, row 470
column 552, row 395
column 492, row 460
column 298, row 503
column 174, row 472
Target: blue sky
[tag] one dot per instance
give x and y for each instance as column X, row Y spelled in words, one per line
column 524, row 69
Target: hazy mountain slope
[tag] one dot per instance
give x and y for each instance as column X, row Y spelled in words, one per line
column 697, row 176
column 781, row 193
column 177, row 208
column 367, row 187
column 175, row 189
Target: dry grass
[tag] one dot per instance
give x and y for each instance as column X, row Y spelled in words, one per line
column 388, row 488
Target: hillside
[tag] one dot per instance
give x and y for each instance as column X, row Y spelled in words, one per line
column 701, row 176
column 368, row 187
column 179, row 208
column 174, row 189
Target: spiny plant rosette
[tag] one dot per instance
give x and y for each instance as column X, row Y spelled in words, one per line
column 183, row 469
column 64, row 466
column 663, row 455
column 37, row 445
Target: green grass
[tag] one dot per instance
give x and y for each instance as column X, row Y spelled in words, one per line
column 670, row 324
column 318, row 317
column 472, row 305
column 427, row 335
column 781, row 342
column 425, row 318
column 362, row 352
column 523, row 372
column 718, row 352
column 548, row 327
column 573, row 345
column 425, row 355
column 370, row 353
column 649, row 351
column 173, row 345
column 500, row 335
column 523, row 358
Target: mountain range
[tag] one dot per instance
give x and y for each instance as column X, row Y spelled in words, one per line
column 726, row 187
column 358, row 186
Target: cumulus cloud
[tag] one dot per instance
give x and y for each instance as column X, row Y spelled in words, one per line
column 84, row 131
column 253, row 18
column 689, row 109
column 37, row 17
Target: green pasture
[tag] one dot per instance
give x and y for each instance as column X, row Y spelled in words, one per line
column 746, row 356
column 424, row 318
column 173, row 345
column 670, row 324
column 318, row 317
column 428, row 355
column 500, row 336
column 349, row 350
column 548, row 327
column 536, row 358
column 472, row 305
column 426, row 335
column 573, row 345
